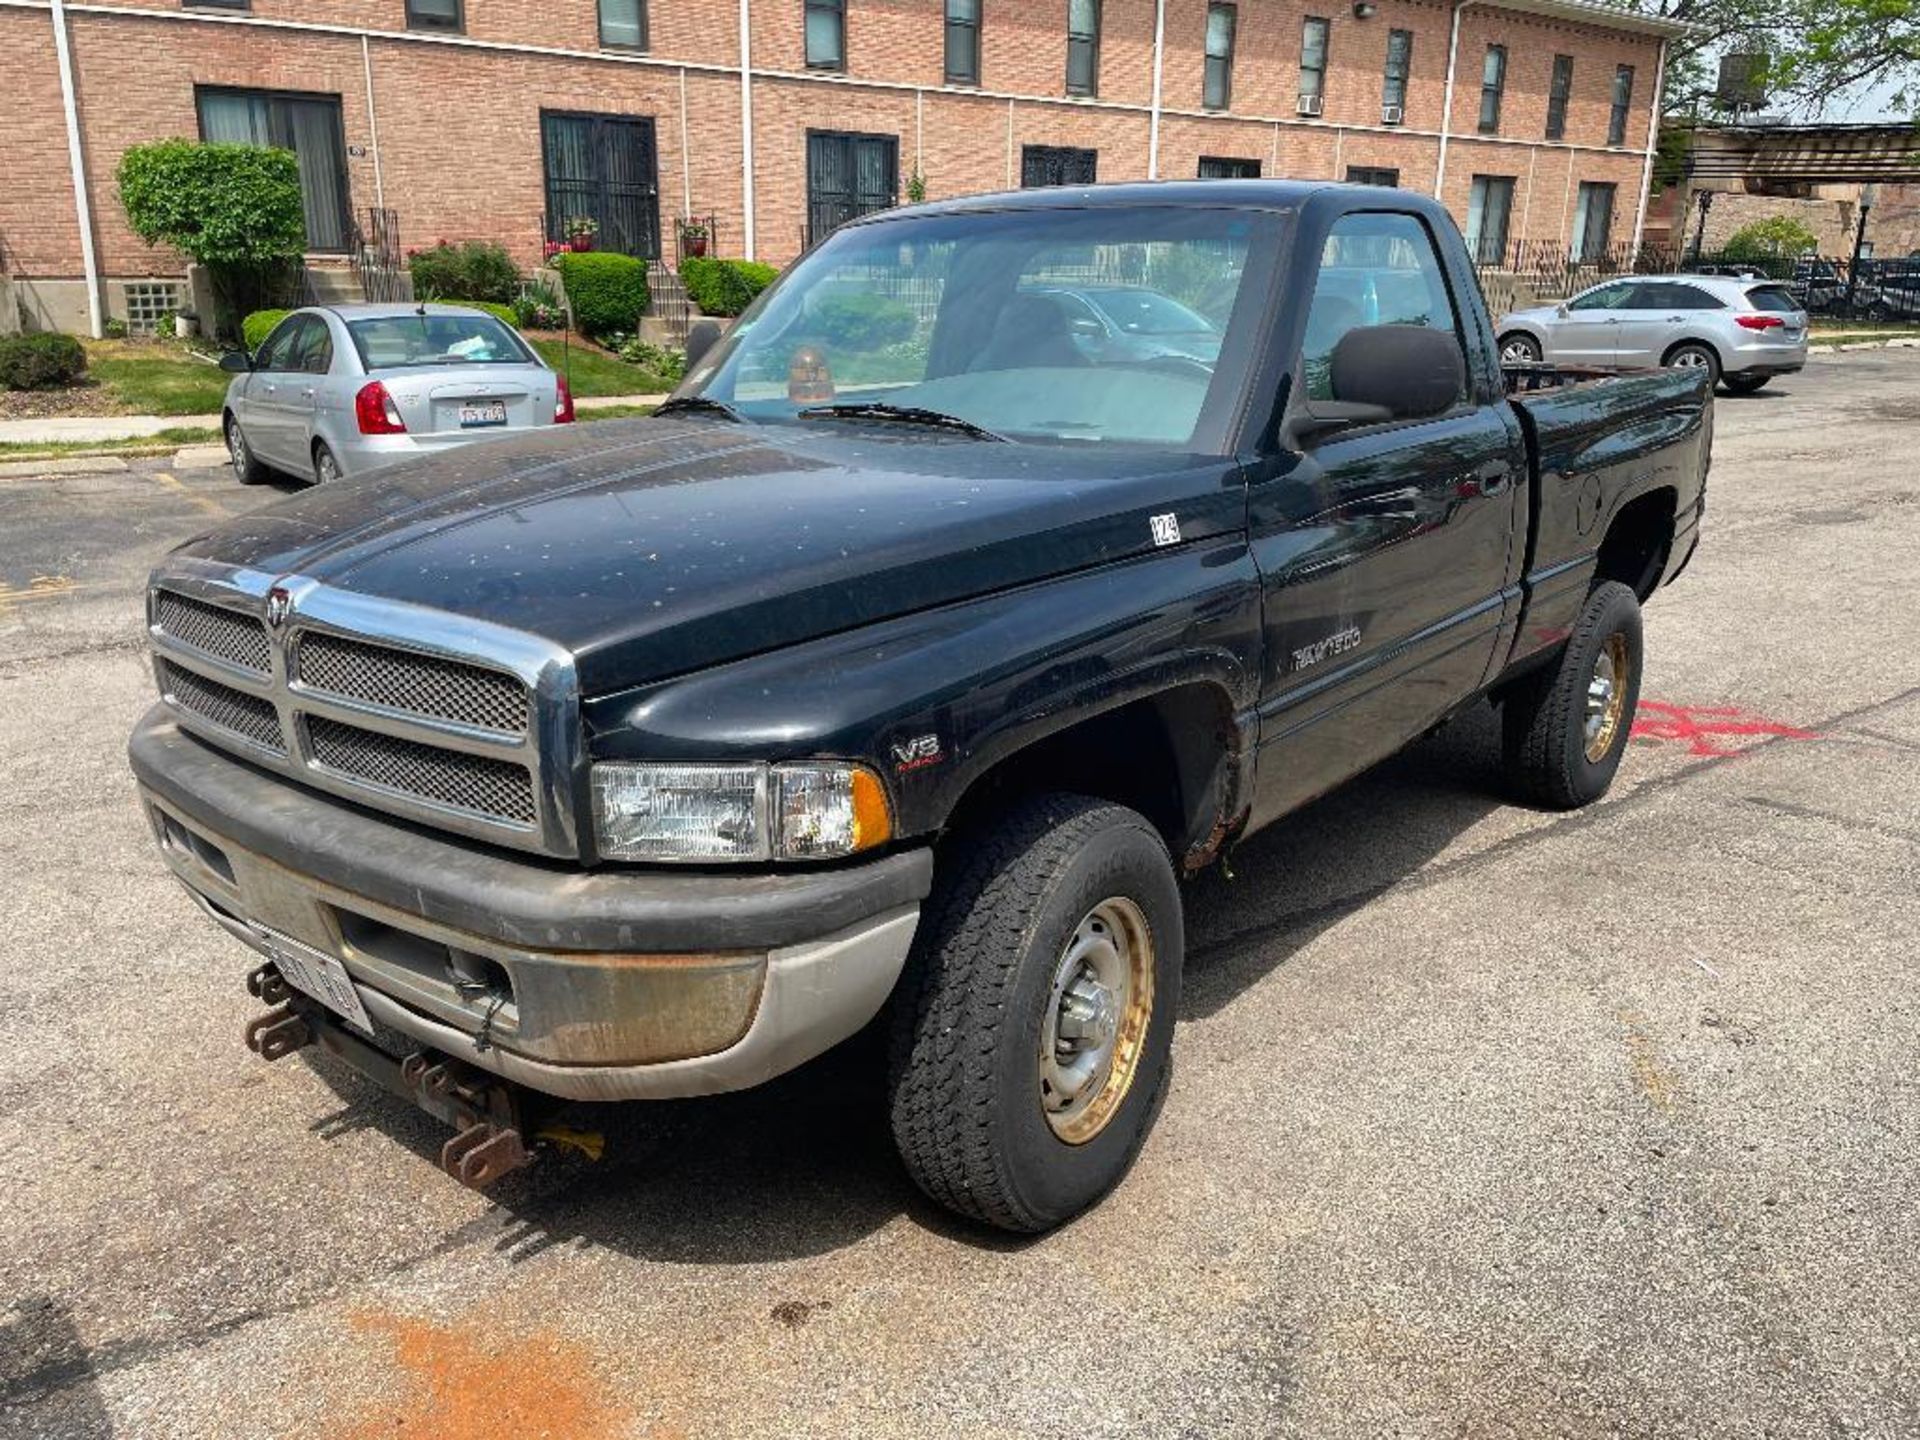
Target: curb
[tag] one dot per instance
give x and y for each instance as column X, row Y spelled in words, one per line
column 67, row 465
column 1904, row 342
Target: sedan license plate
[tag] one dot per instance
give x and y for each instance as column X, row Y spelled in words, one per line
column 316, row 973
column 483, row 412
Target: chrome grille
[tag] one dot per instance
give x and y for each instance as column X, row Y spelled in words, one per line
column 215, row 630
column 245, row 715
column 416, row 684
column 495, row 789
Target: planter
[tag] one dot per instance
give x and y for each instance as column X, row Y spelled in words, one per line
column 696, row 246
column 185, row 327
column 580, row 244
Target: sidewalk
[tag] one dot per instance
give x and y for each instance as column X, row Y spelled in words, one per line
column 85, row 428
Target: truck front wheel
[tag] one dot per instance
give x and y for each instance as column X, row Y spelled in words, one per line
column 1566, row 728
column 1032, row 1030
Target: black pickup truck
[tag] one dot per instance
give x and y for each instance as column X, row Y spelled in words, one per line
column 1007, row 562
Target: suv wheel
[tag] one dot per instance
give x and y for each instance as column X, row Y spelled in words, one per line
column 1692, row 355
column 1566, row 727
column 1744, row 384
column 1033, row 1030
column 1519, row 350
column 246, row 469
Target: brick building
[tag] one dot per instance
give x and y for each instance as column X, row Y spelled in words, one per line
column 501, row 119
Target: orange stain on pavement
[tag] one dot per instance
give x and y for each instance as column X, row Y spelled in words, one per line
column 466, row 1382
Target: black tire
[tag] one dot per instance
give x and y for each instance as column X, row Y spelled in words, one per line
column 1544, row 723
column 323, row 456
column 1518, row 349
column 964, row 1063
column 1694, row 354
column 246, row 468
column 1744, row 384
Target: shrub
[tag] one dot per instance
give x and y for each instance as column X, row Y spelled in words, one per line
column 40, row 361
column 499, row 312
column 606, row 292
column 478, row 269
column 724, row 287
column 1775, row 236
column 862, row 322
column 257, row 326
column 233, row 208
column 669, row 365
column 538, row 307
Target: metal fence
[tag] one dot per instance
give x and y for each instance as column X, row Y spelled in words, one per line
column 1532, row 272
column 384, row 276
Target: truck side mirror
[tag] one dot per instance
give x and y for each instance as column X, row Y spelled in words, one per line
column 702, row 335
column 1410, row 371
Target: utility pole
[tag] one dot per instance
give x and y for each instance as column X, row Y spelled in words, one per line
column 1869, row 197
column 1700, row 230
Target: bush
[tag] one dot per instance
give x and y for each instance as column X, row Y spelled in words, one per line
column 499, row 312
column 724, row 287
column 475, row 268
column 606, row 292
column 538, row 307
column 233, row 208
column 669, row 365
column 1775, row 236
column 862, row 322
column 40, row 361
column 257, row 326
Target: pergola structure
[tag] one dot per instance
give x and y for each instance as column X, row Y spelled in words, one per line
column 1769, row 157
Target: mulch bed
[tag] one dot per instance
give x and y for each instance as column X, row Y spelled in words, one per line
column 86, row 398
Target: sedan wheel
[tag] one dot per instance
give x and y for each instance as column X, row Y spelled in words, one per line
column 246, row 469
column 326, row 469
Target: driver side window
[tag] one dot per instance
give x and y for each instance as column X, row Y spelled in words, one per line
column 276, row 351
column 1607, row 297
column 1375, row 269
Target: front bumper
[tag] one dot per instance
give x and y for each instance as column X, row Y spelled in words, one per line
column 587, row 985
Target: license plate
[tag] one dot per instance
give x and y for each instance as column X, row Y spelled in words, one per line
column 483, row 412
column 316, row 973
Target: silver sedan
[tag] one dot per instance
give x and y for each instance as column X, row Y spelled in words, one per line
column 1742, row 332
column 339, row 390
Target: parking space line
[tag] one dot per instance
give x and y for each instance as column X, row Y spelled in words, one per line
column 172, row 482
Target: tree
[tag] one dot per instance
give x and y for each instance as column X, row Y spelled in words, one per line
column 1771, row 238
column 1816, row 50
column 233, row 208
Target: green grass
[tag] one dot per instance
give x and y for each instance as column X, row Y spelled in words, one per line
column 591, row 372
column 615, row 412
column 171, row 438
column 157, row 379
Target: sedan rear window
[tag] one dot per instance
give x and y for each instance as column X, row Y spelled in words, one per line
column 394, row 342
column 1773, row 297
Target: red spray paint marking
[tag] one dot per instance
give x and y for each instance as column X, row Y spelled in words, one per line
column 1699, row 725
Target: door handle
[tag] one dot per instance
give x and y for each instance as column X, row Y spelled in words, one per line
column 307, row 394
column 1490, row 479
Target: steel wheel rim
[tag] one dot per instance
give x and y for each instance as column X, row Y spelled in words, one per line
column 1094, row 1029
column 1606, row 698
column 236, row 446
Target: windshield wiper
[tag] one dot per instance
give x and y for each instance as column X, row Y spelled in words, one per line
column 906, row 414
column 699, row 405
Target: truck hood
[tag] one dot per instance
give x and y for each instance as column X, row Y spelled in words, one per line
column 653, row 547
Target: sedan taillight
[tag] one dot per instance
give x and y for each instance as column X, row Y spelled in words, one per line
column 375, row 411
column 1759, row 322
column 562, row 402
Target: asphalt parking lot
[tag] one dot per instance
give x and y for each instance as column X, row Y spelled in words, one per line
column 1485, row 1122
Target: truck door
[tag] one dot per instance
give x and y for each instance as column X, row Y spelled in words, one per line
column 1383, row 549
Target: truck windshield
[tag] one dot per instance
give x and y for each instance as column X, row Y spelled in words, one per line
column 1102, row 325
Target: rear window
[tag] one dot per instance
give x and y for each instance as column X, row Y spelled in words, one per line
column 395, row 342
column 1773, row 297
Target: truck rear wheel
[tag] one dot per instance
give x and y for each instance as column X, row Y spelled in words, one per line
column 1567, row 728
column 1032, row 1031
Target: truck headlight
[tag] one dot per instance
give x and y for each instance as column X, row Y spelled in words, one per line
column 693, row 813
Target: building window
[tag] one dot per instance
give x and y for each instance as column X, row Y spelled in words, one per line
column 1218, row 93
column 1622, row 102
column 309, row 126
column 1393, row 89
column 603, row 168
column 848, row 176
column 1489, row 203
column 1372, row 175
column 826, row 22
column 1044, row 165
column 1226, row 167
column 1083, row 47
column 1592, row 221
column 1493, row 84
column 1313, row 64
column 434, row 15
column 963, row 42
column 623, row 24
column 1558, row 91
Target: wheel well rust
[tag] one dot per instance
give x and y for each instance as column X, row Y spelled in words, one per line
column 1174, row 756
